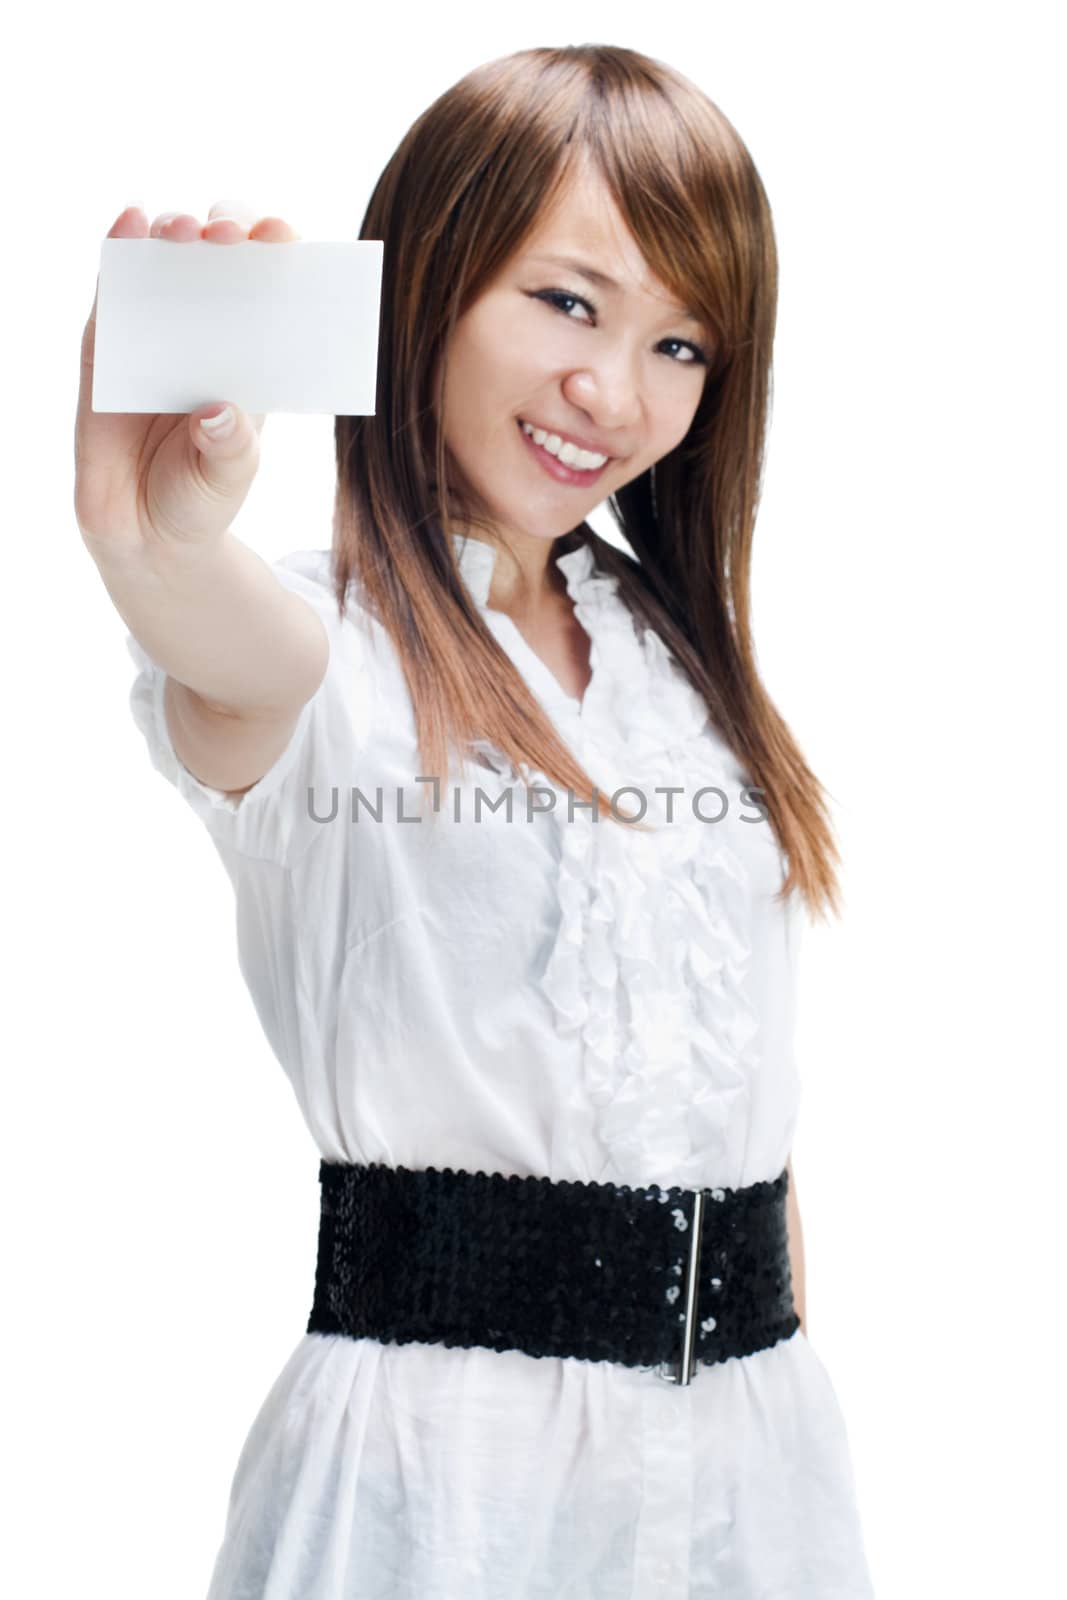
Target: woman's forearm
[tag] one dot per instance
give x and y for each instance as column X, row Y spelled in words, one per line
column 217, row 619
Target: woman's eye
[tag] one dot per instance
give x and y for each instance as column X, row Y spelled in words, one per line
column 554, row 297
column 698, row 355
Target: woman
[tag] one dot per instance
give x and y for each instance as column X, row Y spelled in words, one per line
column 518, row 841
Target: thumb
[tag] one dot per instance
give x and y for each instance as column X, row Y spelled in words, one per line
column 227, row 439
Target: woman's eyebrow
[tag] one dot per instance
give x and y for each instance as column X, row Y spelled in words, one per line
column 600, row 280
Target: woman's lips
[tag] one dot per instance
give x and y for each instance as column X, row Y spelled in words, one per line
column 559, row 469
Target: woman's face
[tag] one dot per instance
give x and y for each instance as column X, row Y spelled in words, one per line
column 620, row 368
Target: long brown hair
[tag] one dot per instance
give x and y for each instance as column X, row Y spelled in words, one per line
column 466, row 186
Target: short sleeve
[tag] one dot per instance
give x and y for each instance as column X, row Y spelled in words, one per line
column 270, row 820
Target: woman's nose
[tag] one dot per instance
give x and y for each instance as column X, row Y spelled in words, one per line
column 609, row 391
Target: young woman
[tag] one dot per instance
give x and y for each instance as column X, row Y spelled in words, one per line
column 519, row 843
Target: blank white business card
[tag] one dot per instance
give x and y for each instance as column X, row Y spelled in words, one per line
column 273, row 327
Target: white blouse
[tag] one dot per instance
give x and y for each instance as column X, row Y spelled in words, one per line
column 536, row 995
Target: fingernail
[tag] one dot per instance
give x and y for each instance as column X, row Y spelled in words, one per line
column 219, row 426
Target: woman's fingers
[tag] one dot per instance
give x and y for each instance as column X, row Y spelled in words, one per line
column 228, row 222
column 273, row 230
column 129, row 224
column 266, row 230
column 177, row 225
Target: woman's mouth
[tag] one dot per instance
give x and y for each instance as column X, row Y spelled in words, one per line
column 560, row 470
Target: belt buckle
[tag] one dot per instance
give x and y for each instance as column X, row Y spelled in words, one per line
column 683, row 1369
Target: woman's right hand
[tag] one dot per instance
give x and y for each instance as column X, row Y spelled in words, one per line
column 142, row 480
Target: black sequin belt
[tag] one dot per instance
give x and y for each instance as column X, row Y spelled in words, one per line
column 664, row 1279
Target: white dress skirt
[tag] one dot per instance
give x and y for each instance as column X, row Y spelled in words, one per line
column 536, row 994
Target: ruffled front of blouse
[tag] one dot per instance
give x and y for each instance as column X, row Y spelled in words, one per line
column 653, row 946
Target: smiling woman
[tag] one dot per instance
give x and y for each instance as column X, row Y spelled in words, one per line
column 543, row 1042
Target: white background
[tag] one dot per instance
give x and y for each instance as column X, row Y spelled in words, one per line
column 160, row 1196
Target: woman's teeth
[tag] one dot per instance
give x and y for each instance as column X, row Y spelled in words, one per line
column 569, row 454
